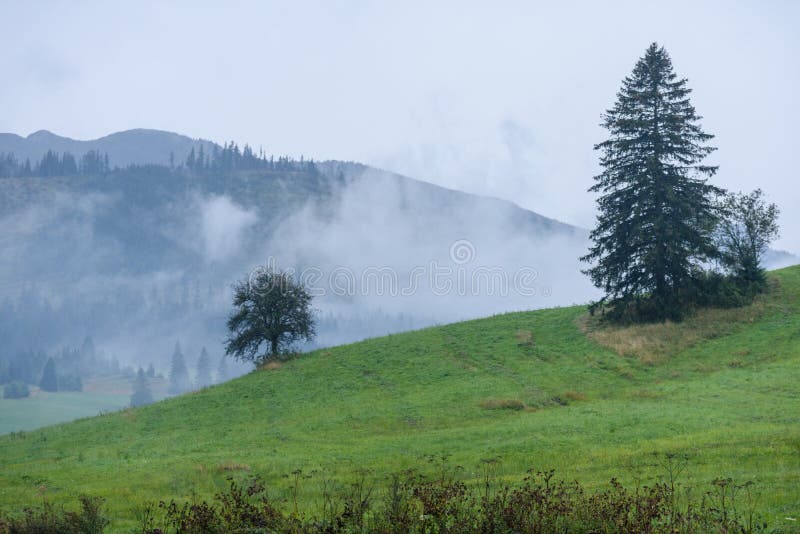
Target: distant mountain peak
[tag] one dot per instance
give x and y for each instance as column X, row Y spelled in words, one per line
column 40, row 135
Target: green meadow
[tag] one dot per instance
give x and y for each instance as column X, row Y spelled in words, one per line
column 44, row 408
column 547, row 389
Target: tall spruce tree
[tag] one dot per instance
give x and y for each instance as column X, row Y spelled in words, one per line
column 657, row 211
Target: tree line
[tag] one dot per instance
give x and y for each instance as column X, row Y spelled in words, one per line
column 63, row 370
column 54, row 164
column 228, row 158
column 179, row 379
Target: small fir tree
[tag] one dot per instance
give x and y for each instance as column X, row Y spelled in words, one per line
column 222, row 370
column 141, row 390
column 178, row 373
column 203, row 369
column 49, row 381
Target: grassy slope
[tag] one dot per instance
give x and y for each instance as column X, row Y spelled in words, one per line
column 730, row 402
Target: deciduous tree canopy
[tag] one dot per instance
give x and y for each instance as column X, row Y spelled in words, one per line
column 272, row 312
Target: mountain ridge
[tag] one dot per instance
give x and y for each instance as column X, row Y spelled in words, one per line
column 145, row 141
column 135, row 146
column 171, row 233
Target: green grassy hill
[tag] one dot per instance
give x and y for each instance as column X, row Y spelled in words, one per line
column 545, row 389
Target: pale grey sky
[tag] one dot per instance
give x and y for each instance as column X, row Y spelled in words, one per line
column 500, row 98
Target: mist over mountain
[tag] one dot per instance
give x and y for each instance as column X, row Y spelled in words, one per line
column 144, row 253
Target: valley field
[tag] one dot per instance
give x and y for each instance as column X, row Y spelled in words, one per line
column 548, row 389
column 99, row 395
column 44, row 408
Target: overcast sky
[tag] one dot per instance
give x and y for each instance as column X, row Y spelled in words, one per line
column 499, row 98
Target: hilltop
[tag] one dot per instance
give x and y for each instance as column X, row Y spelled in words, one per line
column 542, row 389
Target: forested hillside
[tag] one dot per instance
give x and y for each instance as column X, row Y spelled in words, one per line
column 138, row 256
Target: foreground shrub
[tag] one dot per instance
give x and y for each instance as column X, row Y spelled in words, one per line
column 47, row 519
column 416, row 503
column 412, row 502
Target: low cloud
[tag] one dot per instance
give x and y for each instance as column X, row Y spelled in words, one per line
column 223, row 224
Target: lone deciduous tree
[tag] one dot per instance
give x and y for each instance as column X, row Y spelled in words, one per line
column 272, row 312
column 747, row 228
column 657, row 212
